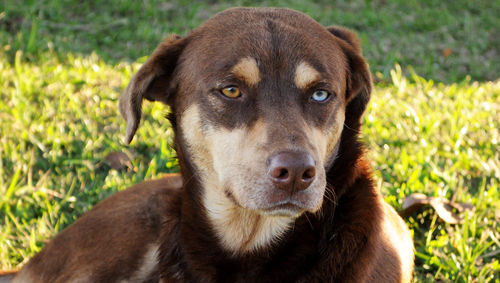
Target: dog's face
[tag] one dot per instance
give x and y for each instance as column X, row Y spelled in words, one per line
column 265, row 113
column 260, row 99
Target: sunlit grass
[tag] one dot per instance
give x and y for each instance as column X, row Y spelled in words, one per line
column 441, row 140
column 59, row 119
column 58, row 122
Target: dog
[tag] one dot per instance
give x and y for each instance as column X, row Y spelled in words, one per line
column 266, row 107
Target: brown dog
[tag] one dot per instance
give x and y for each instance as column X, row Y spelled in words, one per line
column 266, row 107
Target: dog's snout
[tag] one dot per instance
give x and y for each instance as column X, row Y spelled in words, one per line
column 292, row 171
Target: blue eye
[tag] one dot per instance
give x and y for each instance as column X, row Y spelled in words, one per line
column 320, row 95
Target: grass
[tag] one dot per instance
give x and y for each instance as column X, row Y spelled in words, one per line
column 442, row 40
column 441, row 140
column 63, row 66
column 59, row 122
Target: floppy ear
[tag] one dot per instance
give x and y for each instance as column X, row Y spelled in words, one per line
column 151, row 82
column 359, row 82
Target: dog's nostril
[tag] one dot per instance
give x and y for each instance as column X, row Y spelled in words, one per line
column 279, row 173
column 309, row 174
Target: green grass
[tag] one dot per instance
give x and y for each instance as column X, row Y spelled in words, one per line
column 59, row 121
column 409, row 32
column 441, row 140
column 63, row 66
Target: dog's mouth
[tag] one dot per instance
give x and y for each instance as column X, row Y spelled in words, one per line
column 288, row 207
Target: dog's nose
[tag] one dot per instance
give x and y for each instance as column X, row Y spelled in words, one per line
column 292, row 171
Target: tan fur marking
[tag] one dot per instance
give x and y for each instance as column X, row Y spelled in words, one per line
column 399, row 236
column 247, row 70
column 258, row 131
column 325, row 140
column 195, row 139
column 148, row 265
column 241, row 230
column 305, row 75
column 24, row 276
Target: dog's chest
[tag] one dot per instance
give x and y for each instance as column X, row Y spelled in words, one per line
column 204, row 261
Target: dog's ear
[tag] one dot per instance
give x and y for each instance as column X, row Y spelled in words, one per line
column 359, row 82
column 152, row 82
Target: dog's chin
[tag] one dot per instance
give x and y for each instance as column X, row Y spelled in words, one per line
column 287, row 209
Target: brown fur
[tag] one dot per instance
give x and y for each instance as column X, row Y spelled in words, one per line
column 224, row 221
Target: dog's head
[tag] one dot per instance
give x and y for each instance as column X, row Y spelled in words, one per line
column 259, row 99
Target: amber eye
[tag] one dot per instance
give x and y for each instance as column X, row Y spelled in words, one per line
column 231, row 91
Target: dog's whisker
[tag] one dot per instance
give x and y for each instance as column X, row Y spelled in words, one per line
column 310, row 224
column 330, row 190
column 354, row 130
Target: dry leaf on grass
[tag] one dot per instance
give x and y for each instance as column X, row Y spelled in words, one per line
column 118, row 160
column 414, row 202
column 447, row 52
column 445, row 210
column 443, row 207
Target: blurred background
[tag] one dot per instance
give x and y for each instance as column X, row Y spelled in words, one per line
column 432, row 126
column 442, row 40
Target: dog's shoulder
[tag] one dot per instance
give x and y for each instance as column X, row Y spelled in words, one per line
column 155, row 194
column 147, row 203
column 168, row 186
column 394, row 255
column 398, row 237
column 123, row 229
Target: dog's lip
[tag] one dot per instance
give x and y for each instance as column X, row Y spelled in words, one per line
column 288, row 203
column 286, row 208
column 284, row 204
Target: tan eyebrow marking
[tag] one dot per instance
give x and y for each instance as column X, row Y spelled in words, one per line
column 305, row 75
column 246, row 69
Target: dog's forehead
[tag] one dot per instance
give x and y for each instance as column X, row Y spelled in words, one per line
column 277, row 40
